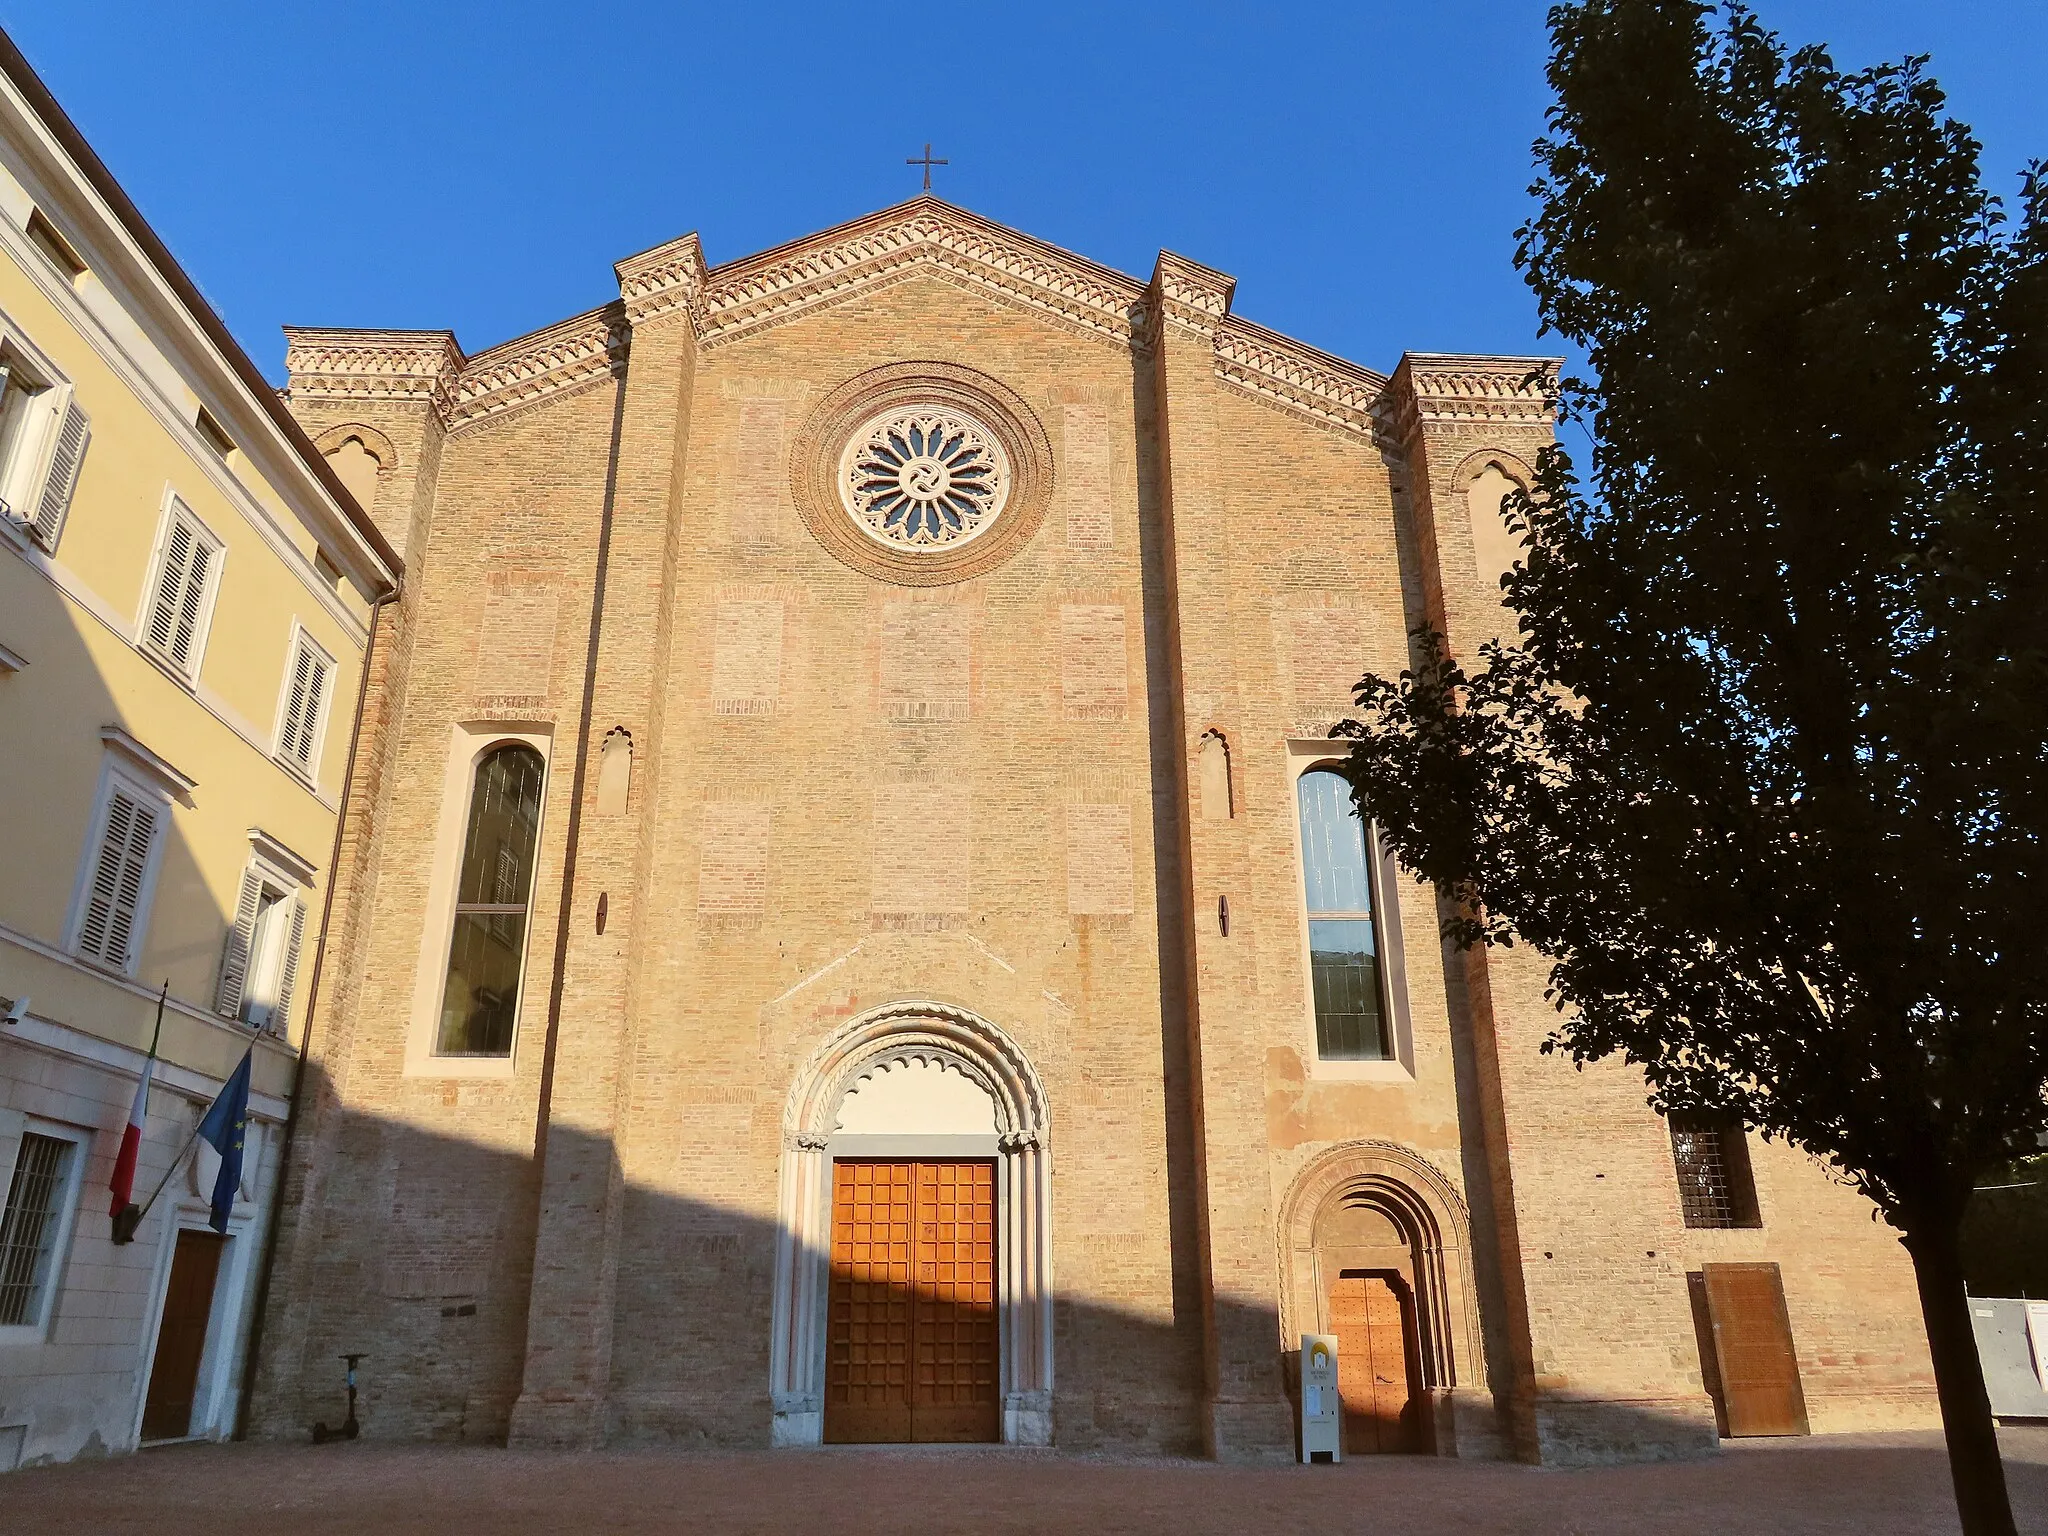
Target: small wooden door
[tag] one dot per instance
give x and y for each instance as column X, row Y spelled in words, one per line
column 1370, row 1315
column 1753, row 1353
column 912, row 1350
column 181, row 1336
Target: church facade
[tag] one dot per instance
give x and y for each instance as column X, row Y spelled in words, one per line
column 846, row 931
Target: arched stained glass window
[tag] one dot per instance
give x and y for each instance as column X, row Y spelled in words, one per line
column 480, row 1002
column 1343, row 948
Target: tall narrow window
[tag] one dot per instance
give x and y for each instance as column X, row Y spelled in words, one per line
column 260, row 957
column 111, row 921
column 303, row 709
column 30, row 1225
column 480, row 1000
column 181, row 593
column 43, row 434
column 1715, row 1185
column 1343, row 948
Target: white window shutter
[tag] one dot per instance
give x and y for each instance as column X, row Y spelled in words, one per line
column 316, row 697
column 107, row 932
column 288, row 739
column 191, row 609
column 72, row 435
column 234, row 955
column 306, row 690
column 170, row 584
column 288, row 972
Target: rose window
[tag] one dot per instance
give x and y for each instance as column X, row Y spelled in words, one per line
column 924, row 479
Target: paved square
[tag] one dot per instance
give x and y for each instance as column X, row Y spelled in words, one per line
column 1869, row 1485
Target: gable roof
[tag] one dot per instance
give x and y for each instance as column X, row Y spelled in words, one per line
column 764, row 289
column 741, row 298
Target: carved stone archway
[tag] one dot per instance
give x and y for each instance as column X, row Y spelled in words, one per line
column 1425, row 1207
column 963, row 1042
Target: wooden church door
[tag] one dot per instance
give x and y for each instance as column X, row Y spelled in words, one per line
column 1757, row 1364
column 912, row 1352
column 1370, row 1315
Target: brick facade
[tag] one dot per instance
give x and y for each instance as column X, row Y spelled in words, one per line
column 851, row 792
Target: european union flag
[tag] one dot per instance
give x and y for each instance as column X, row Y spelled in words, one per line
column 223, row 1128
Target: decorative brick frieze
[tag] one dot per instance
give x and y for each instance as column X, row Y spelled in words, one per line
column 669, row 277
column 527, row 369
column 743, row 296
column 372, row 365
column 1297, row 377
column 1189, row 295
column 1433, row 390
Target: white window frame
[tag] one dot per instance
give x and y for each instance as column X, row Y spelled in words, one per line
column 467, row 746
column 174, row 506
column 227, row 1328
column 38, row 1330
column 322, row 706
column 272, row 867
column 114, row 774
column 1302, row 757
column 24, row 484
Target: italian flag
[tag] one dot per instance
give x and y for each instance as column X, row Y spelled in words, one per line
column 123, row 1184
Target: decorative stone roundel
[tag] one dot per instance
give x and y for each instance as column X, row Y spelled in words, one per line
column 919, row 479
column 922, row 473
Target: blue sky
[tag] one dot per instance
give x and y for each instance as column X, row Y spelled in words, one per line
column 1360, row 168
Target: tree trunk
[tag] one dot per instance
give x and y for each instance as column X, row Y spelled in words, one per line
column 1973, row 1459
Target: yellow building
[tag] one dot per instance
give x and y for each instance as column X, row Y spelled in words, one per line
column 188, row 594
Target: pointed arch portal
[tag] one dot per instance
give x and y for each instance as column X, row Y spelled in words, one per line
column 914, row 1080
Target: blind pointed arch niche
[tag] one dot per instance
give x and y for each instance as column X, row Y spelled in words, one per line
column 922, row 474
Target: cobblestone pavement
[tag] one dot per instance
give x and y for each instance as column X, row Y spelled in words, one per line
column 1872, row 1485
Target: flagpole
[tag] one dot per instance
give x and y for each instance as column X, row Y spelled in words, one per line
column 128, row 1217
column 156, row 1038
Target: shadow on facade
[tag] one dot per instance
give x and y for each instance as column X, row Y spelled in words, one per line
column 415, row 1249
column 122, row 795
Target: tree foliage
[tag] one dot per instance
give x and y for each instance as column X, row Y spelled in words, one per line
column 1764, row 774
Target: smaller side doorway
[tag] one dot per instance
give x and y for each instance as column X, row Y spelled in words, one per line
column 181, row 1336
column 1372, row 1313
column 1747, row 1358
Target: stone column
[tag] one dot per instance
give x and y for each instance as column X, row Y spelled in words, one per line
column 584, row 1086
column 1246, row 1413
column 1586, row 1233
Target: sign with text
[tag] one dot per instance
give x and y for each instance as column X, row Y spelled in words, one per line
column 1322, row 1406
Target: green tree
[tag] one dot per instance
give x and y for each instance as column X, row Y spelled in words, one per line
column 1762, row 775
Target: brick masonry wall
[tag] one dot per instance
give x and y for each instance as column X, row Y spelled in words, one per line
column 846, row 793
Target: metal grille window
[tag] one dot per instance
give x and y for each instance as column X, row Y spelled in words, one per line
column 1715, row 1185
column 1343, row 943
column 480, row 999
column 28, row 1229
